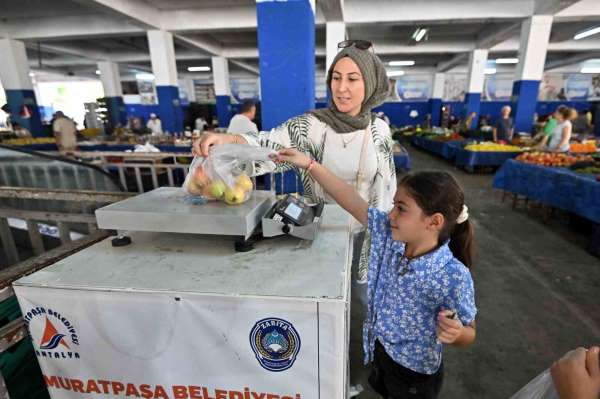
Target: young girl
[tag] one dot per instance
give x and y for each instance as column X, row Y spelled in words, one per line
column 420, row 293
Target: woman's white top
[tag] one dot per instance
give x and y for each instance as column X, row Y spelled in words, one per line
column 556, row 137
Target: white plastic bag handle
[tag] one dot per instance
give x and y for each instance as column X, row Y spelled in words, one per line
column 541, row 387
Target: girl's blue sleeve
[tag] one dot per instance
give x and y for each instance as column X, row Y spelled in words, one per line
column 461, row 294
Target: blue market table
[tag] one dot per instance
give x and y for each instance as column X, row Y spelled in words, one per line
column 557, row 187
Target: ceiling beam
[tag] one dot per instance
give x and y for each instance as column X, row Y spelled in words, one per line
column 458, row 59
column 206, row 45
column 138, row 12
column 246, row 66
column 551, row 7
column 571, row 60
column 333, row 10
column 488, row 39
column 70, row 27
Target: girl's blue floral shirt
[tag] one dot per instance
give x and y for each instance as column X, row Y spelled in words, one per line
column 404, row 298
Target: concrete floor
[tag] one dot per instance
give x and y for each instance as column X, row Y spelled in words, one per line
column 537, row 291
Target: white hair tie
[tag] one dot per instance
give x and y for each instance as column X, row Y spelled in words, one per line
column 464, row 215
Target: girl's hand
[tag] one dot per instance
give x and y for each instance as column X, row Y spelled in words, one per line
column 448, row 330
column 294, row 157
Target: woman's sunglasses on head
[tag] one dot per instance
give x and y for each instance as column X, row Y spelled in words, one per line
column 359, row 44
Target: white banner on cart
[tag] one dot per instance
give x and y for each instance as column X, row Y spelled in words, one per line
column 164, row 345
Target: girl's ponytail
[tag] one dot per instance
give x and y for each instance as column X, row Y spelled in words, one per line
column 462, row 243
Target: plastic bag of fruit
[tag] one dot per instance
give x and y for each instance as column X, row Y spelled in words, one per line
column 222, row 175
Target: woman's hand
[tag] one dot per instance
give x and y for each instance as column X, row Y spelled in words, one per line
column 448, row 330
column 202, row 146
column 294, row 157
column 577, row 374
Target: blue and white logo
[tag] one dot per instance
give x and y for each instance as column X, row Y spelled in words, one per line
column 275, row 343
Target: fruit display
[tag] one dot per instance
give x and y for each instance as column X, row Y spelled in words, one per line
column 552, row 159
column 492, row 147
column 30, row 140
column 448, row 137
column 585, row 147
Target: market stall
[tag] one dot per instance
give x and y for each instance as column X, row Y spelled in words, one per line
column 443, row 147
column 472, row 156
column 549, row 181
column 178, row 313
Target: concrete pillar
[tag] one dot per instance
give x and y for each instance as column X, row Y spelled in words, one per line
column 222, row 90
column 190, row 89
column 164, row 68
column 437, row 96
column 14, row 74
column 335, row 33
column 535, row 35
column 475, row 79
column 113, row 92
column 286, row 47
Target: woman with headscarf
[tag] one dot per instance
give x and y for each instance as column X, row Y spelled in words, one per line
column 346, row 137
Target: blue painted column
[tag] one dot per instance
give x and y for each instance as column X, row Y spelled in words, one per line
column 113, row 93
column 14, row 74
column 535, row 35
column 286, row 47
column 222, row 90
column 475, row 79
column 435, row 102
column 524, row 99
column 164, row 68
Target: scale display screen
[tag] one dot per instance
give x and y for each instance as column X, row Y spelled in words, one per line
column 293, row 211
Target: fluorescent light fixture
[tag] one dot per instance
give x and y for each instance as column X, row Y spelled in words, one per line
column 590, row 70
column 489, row 71
column 401, row 63
column 586, row 33
column 198, row 69
column 419, row 34
column 31, row 74
column 144, row 76
column 97, row 72
column 507, row 60
column 395, row 73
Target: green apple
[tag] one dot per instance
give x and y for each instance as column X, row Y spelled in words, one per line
column 217, row 189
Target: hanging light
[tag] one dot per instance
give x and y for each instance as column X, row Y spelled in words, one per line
column 419, row 34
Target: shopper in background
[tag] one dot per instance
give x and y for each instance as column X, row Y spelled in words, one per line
column 558, row 140
column 581, row 124
column 466, row 124
column 199, row 124
column 65, row 132
column 504, row 128
column 577, row 374
column 154, row 124
column 242, row 122
column 20, row 131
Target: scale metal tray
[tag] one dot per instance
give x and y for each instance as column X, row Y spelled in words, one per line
column 164, row 210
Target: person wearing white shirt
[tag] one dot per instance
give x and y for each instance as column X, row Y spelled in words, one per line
column 242, row 122
column 154, row 124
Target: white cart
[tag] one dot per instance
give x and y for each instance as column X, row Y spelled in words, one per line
column 182, row 315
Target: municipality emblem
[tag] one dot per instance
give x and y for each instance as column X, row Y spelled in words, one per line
column 275, row 343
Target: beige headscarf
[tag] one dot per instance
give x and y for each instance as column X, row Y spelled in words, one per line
column 376, row 91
